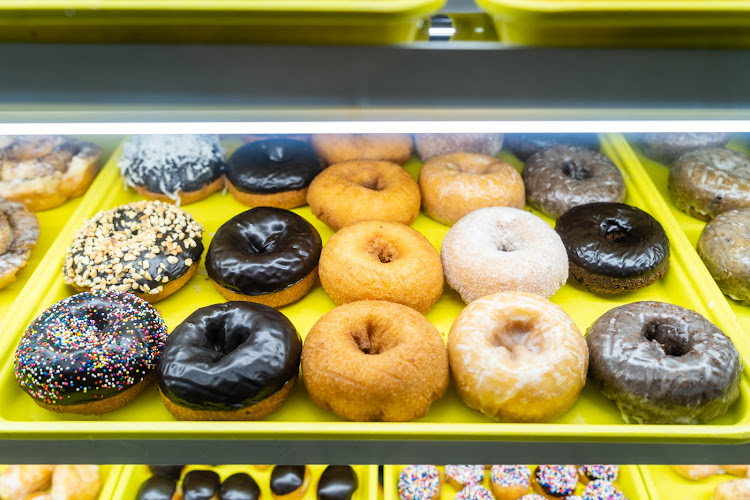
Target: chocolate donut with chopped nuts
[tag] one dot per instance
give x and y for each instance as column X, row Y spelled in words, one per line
column 148, row 248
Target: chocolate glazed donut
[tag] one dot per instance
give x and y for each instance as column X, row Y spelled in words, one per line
column 266, row 255
column 289, row 481
column 231, row 361
column 338, row 482
column 240, row 486
column 200, row 485
column 663, row 364
column 157, row 488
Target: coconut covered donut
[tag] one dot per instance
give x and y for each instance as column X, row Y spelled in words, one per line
column 429, row 145
column 336, row 148
column 455, row 184
column 501, row 249
column 43, row 172
column 518, row 357
column 19, row 233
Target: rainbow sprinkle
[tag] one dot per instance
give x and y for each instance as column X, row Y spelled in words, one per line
column 574, row 497
column 510, row 475
column 602, row 490
column 532, row 496
column 418, row 482
column 474, row 492
column 605, row 472
column 557, row 480
column 465, row 474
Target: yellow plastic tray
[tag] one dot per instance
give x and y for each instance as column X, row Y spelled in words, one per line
column 665, row 484
column 613, row 23
column 110, row 475
column 134, row 475
column 215, row 21
column 691, row 226
column 629, row 482
column 593, row 417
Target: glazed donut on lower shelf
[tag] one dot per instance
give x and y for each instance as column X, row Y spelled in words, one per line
column 64, row 482
column 736, row 489
column 19, row 234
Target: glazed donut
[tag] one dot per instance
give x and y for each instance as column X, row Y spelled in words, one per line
column 737, row 470
column 666, row 147
column 693, row 372
column 336, row 148
column 452, row 185
column 736, row 489
column 474, row 492
column 696, row 472
column 289, row 482
column 724, row 245
column 19, row 233
column 555, row 481
column 376, row 260
column 419, row 482
column 355, row 191
column 588, row 473
column 90, row 353
column 239, row 486
column 265, row 255
column 459, row 476
column 75, row 482
column 201, row 485
column 429, row 145
column 272, row 173
column 230, row 361
column 501, row 249
column 562, row 177
column 374, row 360
column 148, row 248
column 509, row 482
column 18, row 481
column 707, row 182
column 517, row 356
column 177, row 168
column 526, row 145
column 157, row 488
column 338, row 482
column 602, row 490
column 613, row 247
column 43, row 172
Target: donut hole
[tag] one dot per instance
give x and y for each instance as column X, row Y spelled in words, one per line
column 668, row 338
column 373, row 183
column 382, row 249
column 517, row 333
column 370, row 339
column 615, row 230
column 575, row 170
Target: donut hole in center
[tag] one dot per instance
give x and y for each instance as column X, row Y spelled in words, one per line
column 668, row 338
column 615, row 230
column 517, row 333
column 374, row 184
column 370, row 340
column 384, row 250
column 574, row 170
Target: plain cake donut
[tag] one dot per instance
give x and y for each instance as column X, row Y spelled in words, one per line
column 499, row 249
column 336, row 148
column 374, row 361
column 518, row 357
column 724, row 245
column 429, row 145
column 455, row 184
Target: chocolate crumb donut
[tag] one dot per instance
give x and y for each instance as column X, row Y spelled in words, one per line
column 665, row 148
column 562, row 177
column 526, row 145
column 663, row 364
column 724, row 246
column 707, row 182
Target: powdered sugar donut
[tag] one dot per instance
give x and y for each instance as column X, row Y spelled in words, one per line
column 501, row 249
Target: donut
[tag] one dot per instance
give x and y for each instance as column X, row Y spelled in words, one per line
column 517, row 356
column 665, row 147
column 43, row 172
column 18, row 481
column 230, row 361
column 602, row 490
column 696, row 472
column 526, row 145
column 454, row 184
column 724, row 245
column 374, row 361
column 239, row 486
column 90, row 353
column 266, row 255
column 536, row 496
column 474, row 492
column 272, row 173
column 555, row 481
column 501, row 249
column 419, row 482
column 588, row 473
column 289, row 482
column 250, row 138
column 737, row 470
column 75, row 482
column 707, row 182
column 509, row 482
column 338, row 482
column 176, row 168
column 736, row 489
column 19, row 233
column 361, row 190
column 613, row 247
column 157, row 488
column 459, row 476
column 201, row 485
column 429, row 145
column 148, row 248
column 693, row 373
column 375, row 260
column 562, row 177
column 335, row 148
column 171, row 471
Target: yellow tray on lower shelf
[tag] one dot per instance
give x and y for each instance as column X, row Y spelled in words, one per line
column 692, row 227
column 592, row 418
column 665, row 484
column 629, row 482
column 134, row 475
column 109, row 474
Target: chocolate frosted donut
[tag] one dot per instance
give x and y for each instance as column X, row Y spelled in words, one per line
column 266, row 255
column 562, row 177
column 239, row 486
column 338, row 482
column 289, row 481
column 200, row 485
column 230, row 361
column 707, row 182
column 724, row 246
column 613, row 247
column 663, row 364
column 665, row 148
column 157, row 488
column 526, row 145
column 274, row 172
